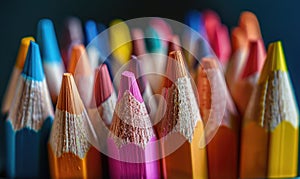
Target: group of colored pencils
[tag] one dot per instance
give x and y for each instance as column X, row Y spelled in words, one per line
column 231, row 114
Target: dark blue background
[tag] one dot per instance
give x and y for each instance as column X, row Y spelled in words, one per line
column 279, row 20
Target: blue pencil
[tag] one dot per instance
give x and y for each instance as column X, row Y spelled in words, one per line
column 52, row 60
column 29, row 121
column 104, row 46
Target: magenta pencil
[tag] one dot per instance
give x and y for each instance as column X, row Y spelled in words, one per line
column 132, row 138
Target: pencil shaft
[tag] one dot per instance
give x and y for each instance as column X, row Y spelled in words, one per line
column 25, row 151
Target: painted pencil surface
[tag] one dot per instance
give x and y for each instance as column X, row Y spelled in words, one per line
column 29, row 121
column 156, row 47
column 131, row 141
column 104, row 94
column 52, row 61
column 281, row 115
column 218, row 36
column 79, row 66
column 9, row 94
column 135, row 66
column 182, row 119
column 120, row 44
column 70, row 153
column 270, row 128
column 92, row 43
column 72, row 34
column 239, row 56
column 248, row 77
column 222, row 150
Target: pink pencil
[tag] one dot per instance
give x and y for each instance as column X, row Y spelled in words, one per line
column 104, row 94
column 131, row 138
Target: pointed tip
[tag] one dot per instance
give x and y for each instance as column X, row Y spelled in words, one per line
column 175, row 66
column 46, row 38
column 256, row 59
column 33, row 65
column 79, row 61
column 129, row 83
column 91, row 31
column 275, row 61
column 174, row 44
column 103, row 87
column 249, row 22
column 209, row 63
column 68, row 98
column 239, row 39
column 135, row 67
column 25, row 42
column 138, row 42
column 221, row 44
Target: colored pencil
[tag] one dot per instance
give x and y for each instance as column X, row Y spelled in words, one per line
column 70, row 153
column 17, row 70
column 135, row 66
column 269, row 145
column 181, row 119
column 223, row 148
column 52, row 61
column 9, row 94
column 131, row 141
column 120, row 44
column 104, row 94
column 92, row 43
column 249, row 22
column 29, row 121
column 239, row 56
column 249, row 75
column 72, row 34
column 79, row 66
column 104, row 46
column 218, row 36
column 157, row 50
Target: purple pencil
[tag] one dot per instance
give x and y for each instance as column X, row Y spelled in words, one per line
column 131, row 142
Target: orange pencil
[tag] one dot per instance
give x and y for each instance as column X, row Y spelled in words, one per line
column 222, row 150
column 181, row 120
column 79, row 66
column 70, row 153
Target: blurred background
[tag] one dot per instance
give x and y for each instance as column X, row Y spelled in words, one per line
column 278, row 21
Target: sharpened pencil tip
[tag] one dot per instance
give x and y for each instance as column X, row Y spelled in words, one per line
column 25, row 42
column 33, row 65
column 275, row 61
column 128, row 82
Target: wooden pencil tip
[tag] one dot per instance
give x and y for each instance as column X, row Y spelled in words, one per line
column 128, row 83
column 79, row 61
column 209, row 63
column 103, row 87
column 256, row 59
column 175, row 66
column 174, row 44
column 239, row 39
column 69, row 99
column 275, row 61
